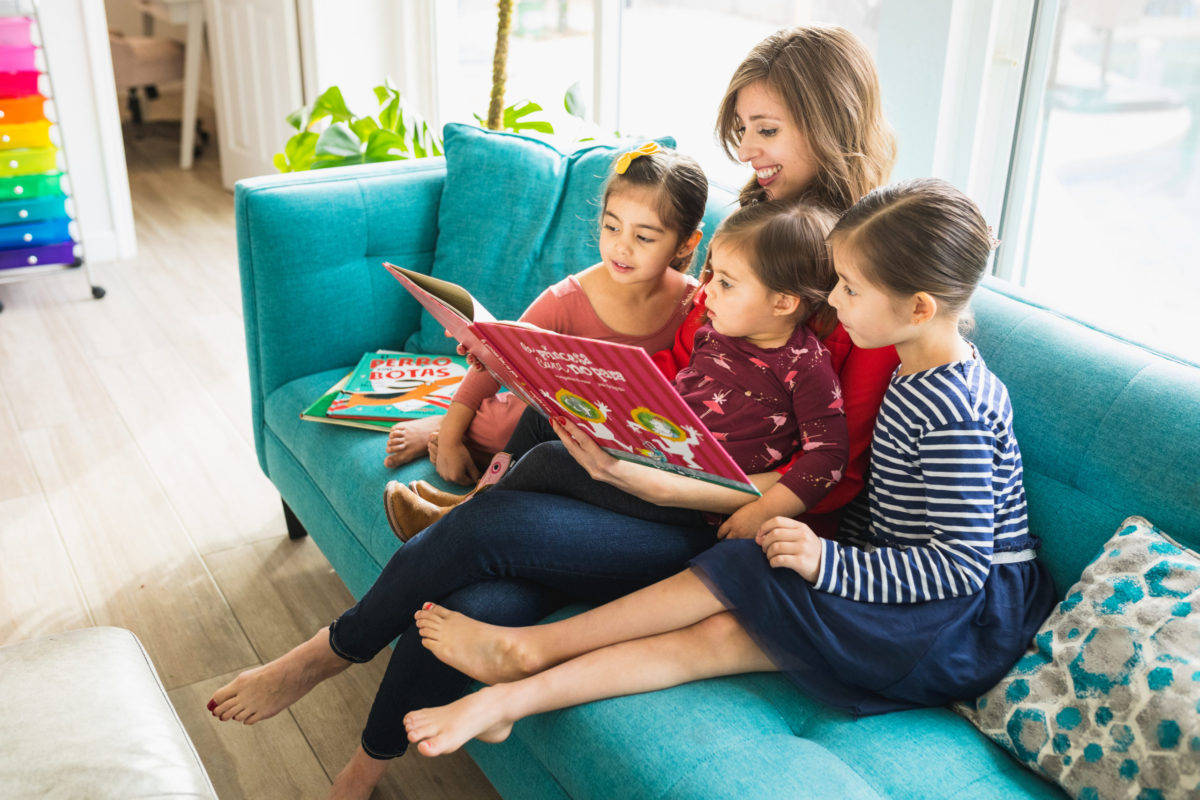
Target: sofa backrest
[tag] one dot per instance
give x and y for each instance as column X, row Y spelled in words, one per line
column 1107, row 429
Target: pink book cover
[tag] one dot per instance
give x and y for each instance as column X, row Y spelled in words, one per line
column 612, row 391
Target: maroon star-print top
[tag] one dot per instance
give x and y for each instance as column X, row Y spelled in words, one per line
column 765, row 404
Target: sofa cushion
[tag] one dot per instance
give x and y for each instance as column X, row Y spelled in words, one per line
column 516, row 215
column 702, row 734
column 1106, row 700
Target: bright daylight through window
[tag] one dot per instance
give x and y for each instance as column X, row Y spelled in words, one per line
column 1112, row 226
column 1110, row 192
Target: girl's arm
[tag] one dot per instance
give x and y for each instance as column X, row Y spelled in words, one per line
column 655, row 485
column 955, row 502
column 821, row 458
column 454, row 460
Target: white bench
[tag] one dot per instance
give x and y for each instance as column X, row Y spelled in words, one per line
column 83, row 714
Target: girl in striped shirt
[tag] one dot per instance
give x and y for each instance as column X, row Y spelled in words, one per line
column 930, row 597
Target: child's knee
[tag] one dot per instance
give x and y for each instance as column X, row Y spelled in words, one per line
column 717, row 628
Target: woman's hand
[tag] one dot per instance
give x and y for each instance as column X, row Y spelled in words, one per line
column 583, row 448
column 454, row 462
column 791, row 544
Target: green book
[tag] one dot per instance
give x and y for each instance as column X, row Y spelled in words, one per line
column 392, row 386
column 316, row 412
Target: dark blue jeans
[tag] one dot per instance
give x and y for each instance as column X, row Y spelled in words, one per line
column 542, row 464
column 506, row 557
column 550, row 469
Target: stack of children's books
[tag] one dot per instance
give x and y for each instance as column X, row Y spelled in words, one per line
column 388, row 386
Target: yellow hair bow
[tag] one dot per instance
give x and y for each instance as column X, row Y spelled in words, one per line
column 627, row 158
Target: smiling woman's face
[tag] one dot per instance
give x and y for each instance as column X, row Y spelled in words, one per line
column 773, row 143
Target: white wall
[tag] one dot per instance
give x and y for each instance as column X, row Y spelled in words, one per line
column 75, row 38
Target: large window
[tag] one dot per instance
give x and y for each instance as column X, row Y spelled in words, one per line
column 1103, row 186
column 550, row 49
column 1105, row 203
column 665, row 63
column 677, row 57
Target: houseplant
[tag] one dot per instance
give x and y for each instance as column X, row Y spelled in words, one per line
column 329, row 134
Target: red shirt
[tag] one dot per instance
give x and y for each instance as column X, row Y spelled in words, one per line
column 864, row 375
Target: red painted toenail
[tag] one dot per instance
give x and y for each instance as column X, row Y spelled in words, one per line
column 427, row 606
column 212, row 704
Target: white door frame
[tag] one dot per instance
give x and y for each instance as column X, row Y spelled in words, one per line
column 90, row 120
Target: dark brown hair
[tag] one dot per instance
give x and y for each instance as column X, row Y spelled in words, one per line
column 826, row 79
column 785, row 246
column 680, row 188
column 920, row 235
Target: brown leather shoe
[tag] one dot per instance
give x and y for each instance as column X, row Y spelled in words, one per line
column 407, row 513
column 427, row 491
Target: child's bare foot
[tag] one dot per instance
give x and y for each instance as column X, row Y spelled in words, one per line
column 432, row 447
column 441, row 730
column 488, row 653
column 409, row 440
column 263, row 692
column 359, row 777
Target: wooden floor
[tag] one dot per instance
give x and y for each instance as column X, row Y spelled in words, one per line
column 130, row 494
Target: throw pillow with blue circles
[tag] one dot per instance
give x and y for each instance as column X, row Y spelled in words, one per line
column 1106, row 700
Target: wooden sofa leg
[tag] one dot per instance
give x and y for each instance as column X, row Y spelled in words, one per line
column 294, row 527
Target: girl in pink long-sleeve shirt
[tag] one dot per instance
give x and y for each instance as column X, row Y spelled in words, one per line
column 653, row 203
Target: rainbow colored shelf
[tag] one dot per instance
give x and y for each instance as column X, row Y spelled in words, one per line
column 37, row 230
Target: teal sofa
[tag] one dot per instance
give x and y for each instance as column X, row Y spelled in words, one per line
column 1107, row 429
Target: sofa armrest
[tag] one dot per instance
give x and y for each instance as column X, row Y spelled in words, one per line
column 314, row 296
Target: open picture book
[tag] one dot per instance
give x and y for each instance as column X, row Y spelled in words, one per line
column 612, row 391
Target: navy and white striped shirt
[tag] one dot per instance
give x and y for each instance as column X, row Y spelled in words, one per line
column 945, row 492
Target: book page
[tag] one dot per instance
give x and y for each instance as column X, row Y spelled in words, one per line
column 443, row 295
